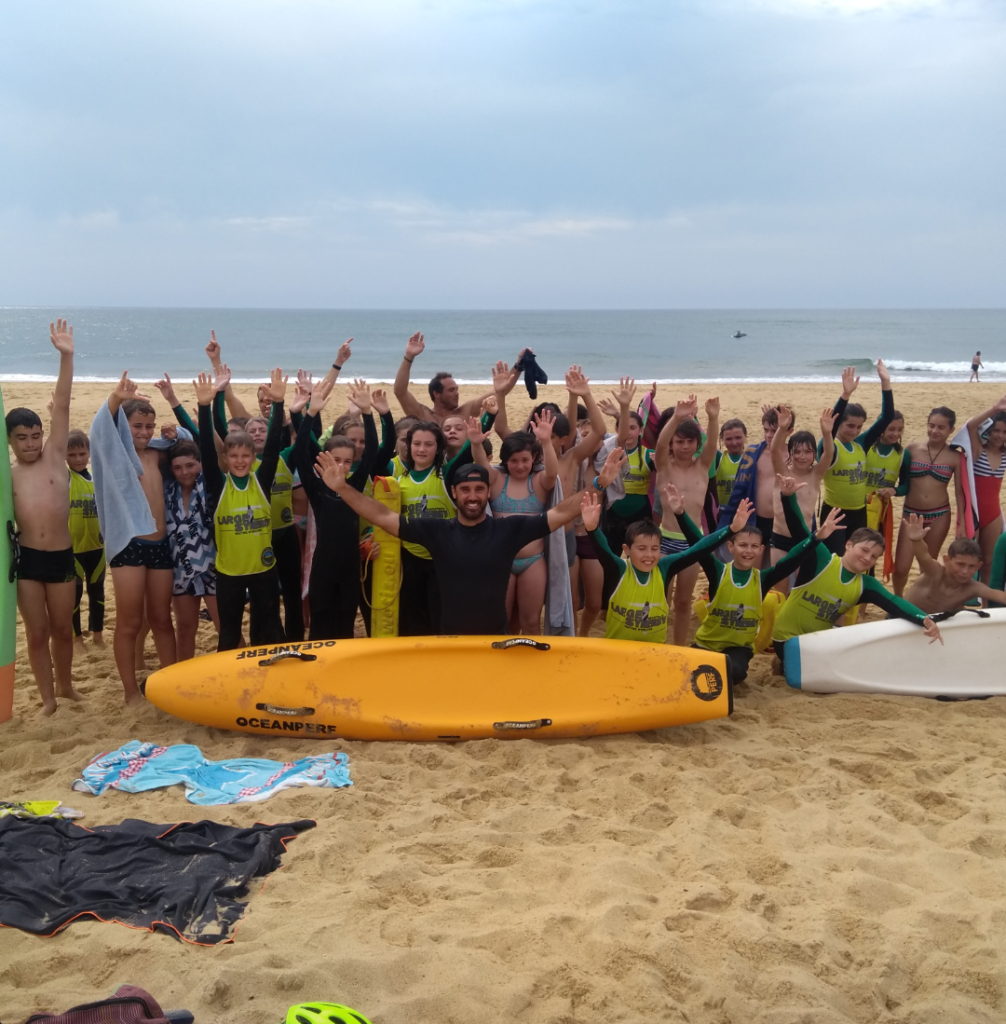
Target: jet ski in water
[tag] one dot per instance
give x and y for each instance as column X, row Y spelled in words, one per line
column 738, row 334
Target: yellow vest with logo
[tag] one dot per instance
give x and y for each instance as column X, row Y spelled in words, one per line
column 734, row 614
column 845, row 481
column 726, row 474
column 638, row 611
column 243, row 529
column 281, row 496
column 84, row 529
column 637, row 472
column 818, row 604
column 424, row 499
column 882, row 470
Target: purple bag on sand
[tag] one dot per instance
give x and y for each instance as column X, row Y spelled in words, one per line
column 129, row 1005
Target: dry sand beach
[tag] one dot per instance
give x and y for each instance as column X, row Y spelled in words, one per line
column 818, row 859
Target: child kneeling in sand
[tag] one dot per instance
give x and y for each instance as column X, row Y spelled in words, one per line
column 947, row 587
column 638, row 608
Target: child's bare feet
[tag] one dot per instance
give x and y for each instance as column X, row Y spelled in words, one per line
column 78, row 645
column 48, row 707
column 97, row 639
column 68, row 693
column 135, row 698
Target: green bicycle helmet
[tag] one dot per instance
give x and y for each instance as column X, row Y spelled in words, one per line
column 323, row 1013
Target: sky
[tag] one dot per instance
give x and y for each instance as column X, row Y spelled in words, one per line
column 525, row 154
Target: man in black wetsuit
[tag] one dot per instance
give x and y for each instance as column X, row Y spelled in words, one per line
column 473, row 554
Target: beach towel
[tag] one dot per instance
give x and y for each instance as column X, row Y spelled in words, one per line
column 123, row 510
column 136, row 767
column 128, row 1005
column 559, row 617
column 186, row 880
column 745, row 483
column 37, row 809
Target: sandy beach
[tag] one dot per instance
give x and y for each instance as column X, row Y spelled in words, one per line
column 813, row 859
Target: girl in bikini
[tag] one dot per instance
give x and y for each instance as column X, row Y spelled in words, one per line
column 515, row 490
column 931, row 465
column 988, row 470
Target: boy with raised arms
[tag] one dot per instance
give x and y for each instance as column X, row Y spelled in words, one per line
column 845, row 478
column 45, row 571
column 242, row 519
column 840, row 583
column 679, row 464
column 737, row 588
column 949, row 586
column 639, row 579
column 88, row 546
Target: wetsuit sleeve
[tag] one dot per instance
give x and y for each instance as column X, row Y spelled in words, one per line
column 998, row 577
column 358, row 479
column 382, row 459
column 307, row 449
column 904, row 475
column 185, row 420
column 212, row 477
column 266, row 472
column 838, row 408
column 672, row 564
column 296, row 418
column 872, row 436
column 711, row 565
column 219, row 417
column 611, row 565
column 794, row 517
column 790, row 563
column 876, row 593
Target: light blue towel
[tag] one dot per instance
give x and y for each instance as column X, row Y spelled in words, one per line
column 559, row 617
column 136, row 767
column 123, row 509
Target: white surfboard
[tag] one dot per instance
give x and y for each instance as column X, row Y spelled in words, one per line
column 894, row 656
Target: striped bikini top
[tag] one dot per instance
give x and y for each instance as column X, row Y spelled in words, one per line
column 936, row 470
column 529, row 506
column 982, row 467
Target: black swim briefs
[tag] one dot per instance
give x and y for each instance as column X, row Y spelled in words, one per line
column 46, row 566
column 144, row 554
column 782, row 543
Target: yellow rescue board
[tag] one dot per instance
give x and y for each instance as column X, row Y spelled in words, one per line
column 447, row 688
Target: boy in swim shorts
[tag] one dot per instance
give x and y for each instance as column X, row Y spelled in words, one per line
column 45, row 568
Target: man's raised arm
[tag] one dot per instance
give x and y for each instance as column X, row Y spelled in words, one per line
column 333, row 475
column 411, row 406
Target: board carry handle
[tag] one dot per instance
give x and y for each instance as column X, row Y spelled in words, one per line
column 276, row 709
column 534, row 723
column 299, row 655
column 520, row 641
column 943, row 616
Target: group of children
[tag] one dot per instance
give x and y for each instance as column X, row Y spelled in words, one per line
column 229, row 510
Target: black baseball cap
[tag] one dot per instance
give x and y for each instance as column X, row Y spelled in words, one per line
column 471, row 472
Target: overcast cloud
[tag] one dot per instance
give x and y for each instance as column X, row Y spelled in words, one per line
column 505, row 153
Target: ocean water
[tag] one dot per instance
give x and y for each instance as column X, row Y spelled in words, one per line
column 662, row 345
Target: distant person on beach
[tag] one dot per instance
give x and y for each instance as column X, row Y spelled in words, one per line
column 46, row 570
column 976, row 365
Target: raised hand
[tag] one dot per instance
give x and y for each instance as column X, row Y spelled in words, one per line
column 332, row 473
column 277, row 385
column 321, row 394
column 221, row 377
column 915, row 527
column 785, row 418
column 590, row 510
column 300, row 398
column 608, row 407
column 850, row 381
column 50, row 404
column 342, row 356
column 624, row 392
column 542, row 425
column 672, row 499
column 741, row 516
column 305, row 380
column 501, row 377
column 490, row 405
column 612, row 467
column 380, row 399
column 169, row 431
column 576, row 383
column 687, row 408
column 414, row 346
column 213, row 349
column 475, row 432
column 359, row 395
column 204, row 388
column 831, row 524
column 828, row 417
column 712, row 407
column 883, row 373
column 61, row 336
column 788, row 484
column 167, row 390
column 127, row 389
